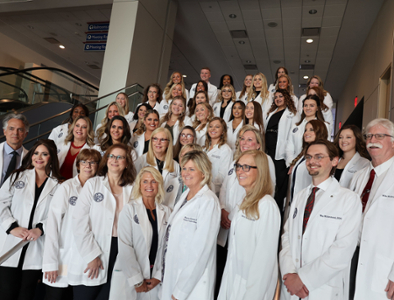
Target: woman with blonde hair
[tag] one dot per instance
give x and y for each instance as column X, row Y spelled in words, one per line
column 279, row 72
column 123, row 100
column 176, row 90
column 254, row 234
column 142, row 226
column 176, row 77
column 316, row 82
column 224, row 104
column 160, row 156
column 243, row 94
column 204, row 113
column 175, row 119
column 113, row 109
column 189, row 247
column 219, row 153
column 284, row 83
column 258, row 91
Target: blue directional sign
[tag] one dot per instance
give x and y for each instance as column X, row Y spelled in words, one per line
column 95, row 47
column 98, row 27
column 96, row 37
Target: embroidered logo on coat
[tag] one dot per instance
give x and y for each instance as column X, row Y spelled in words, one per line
column 58, row 150
column 136, row 219
column 165, row 107
column 73, row 200
column 98, row 197
column 180, row 179
column 231, row 172
column 295, row 130
column 135, row 144
column 60, row 135
column 170, row 188
column 19, row 184
column 295, row 213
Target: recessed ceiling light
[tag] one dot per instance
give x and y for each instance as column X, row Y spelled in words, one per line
column 277, row 61
column 313, row 11
column 241, row 42
column 184, row 75
column 272, row 24
column 232, row 16
column 61, row 47
column 306, row 77
column 248, row 61
column 309, row 41
column 307, row 61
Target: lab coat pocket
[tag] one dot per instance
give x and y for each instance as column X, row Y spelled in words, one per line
column 119, row 287
column 381, row 269
column 326, row 292
column 239, row 288
column 202, row 288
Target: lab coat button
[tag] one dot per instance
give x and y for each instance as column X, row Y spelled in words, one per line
column 299, row 237
column 297, row 260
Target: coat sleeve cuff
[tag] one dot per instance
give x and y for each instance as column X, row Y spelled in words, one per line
column 391, row 274
column 178, row 294
column 135, row 280
column 50, row 267
column 92, row 255
column 40, row 226
column 13, row 226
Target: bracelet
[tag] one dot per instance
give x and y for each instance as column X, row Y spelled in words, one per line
column 139, row 284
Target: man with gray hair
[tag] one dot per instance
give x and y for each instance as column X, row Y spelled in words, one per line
column 15, row 128
column 375, row 185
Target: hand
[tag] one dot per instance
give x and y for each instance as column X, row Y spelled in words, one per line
column 51, row 276
column 290, row 169
column 173, row 298
column 151, row 283
column 20, row 232
column 33, row 234
column 303, row 293
column 390, row 290
column 225, row 221
column 293, row 283
column 93, row 267
column 142, row 289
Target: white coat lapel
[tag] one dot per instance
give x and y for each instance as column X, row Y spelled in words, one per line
column 2, row 159
column 144, row 223
column 386, row 184
column 49, row 185
column 160, row 217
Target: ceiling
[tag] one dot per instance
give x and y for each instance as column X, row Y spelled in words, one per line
column 202, row 36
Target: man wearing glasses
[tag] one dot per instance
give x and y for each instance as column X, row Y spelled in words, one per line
column 375, row 185
column 321, row 233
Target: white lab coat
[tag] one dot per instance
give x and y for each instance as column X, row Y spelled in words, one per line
column 201, row 135
column 285, row 124
column 93, row 219
column 59, row 240
column 227, row 112
column 163, row 107
column 232, row 194
column 190, row 253
column 134, row 239
column 170, row 180
column 221, row 159
column 321, row 256
column 244, row 98
column 129, row 117
column 177, row 128
column 232, row 134
column 24, row 152
column 147, row 102
column 16, row 202
column 138, row 143
column 376, row 259
column 301, row 179
column 59, row 134
column 266, row 106
column 251, row 270
column 212, row 92
column 355, row 164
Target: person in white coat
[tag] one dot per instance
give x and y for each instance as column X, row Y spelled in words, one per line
column 95, row 224
column 160, row 156
column 199, row 97
column 212, row 90
column 176, row 90
column 224, row 105
column 12, row 152
column 204, row 114
column 24, row 202
column 374, row 184
column 258, row 91
column 283, row 83
column 59, row 133
column 321, row 233
column 176, row 77
column 152, row 96
column 123, row 100
column 80, row 136
column 141, row 138
column 255, row 229
column 353, row 154
column 189, row 250
column 113, row 109
column 139, row 117
column 175, row 119
column 279, row 72
column 219, row 153
column 59, row 239
column 235, row 124
column 142, row 225
column 186, row 136
column 280, row 118
column 254, row 115
column 243, row 94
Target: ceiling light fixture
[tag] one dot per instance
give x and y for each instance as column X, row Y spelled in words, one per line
column 232, row 16
column 306, row 77
column 313, row 11
column 309, row 41
column 184, row 75
column 248, row 61
column 272, row 24
column 242, row 42
column 307, row 61
column 61, row 47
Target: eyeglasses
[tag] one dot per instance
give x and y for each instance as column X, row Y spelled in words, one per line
column 226, row 91
column 245, row 168
column 118, row 157
column 316, row 157
column 378, row 136
column 90, row 163
column 183, row 135
column 155, row 139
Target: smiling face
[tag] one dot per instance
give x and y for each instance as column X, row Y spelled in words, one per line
column 238, row 111
column 191, row 175
column 227, row 93
column 40, row 157
column 116, row 131
column 310, row 108
column 380, row 150
column 319, row 168
column 309, row 134
column 113, row 111
column 80, row 131
column 15, row 133
column 248, row 141
column 159, row 147
column 205, row 75
column 215, row 130
column 202, row 113
column 226, row 80
column 314, row 82
column 117, row 165
column 258, row 82
column 141, row 112
column 200, row 87
column 176, row 91
column 177, row 107
column 249, row 111
column 149, row 187
column 151, row 122
column 200, row 98
column 283, row 83
column 247, row 179
column 176, row 78
column 279, row 100
column 78, row 111
column 281, row 72
column 186, row 137
column 88, row 170
column 347, row 140
column 153, row 94
column 248, row 80
column 121, row 100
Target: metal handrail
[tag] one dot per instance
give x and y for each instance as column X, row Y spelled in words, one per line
column 15, row 86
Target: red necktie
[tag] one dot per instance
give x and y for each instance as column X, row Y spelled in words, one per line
column 308, row 208
column 367, row 189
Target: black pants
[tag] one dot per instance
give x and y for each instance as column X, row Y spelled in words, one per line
column 57, row 293
column 221, row 257
column 18, row 284
column 99, row 292
column 353, row 272
column 281, row 183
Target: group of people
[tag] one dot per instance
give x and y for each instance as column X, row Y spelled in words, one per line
column 200, row 194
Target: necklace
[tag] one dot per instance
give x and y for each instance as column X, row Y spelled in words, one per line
column 72, row 145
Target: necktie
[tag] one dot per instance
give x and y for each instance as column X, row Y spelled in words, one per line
column 11, row 166
column 308, row 208
column 367, row 189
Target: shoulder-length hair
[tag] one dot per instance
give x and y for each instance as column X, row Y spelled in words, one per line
column 86, row 154
column 319, row 93
column 261, row 187
column 170, row 83
column 197, row 122
column 190, row 147
column 136, row 192
column 318, row 114
column 169, row 95
column 233, row 96
column 223, row 137
column 290, row 88
column 52, row 168
column 192, row 102
column 244, row 87
column 128, row 174
column 178, row 144
column 107, row 141
column 276, row 73
column 105, row 120
column 257, row 116
column 142, row 128
column 168, row 160
column 204, row 84
column 260, row 139
column 221, row 81
column 202, row 163
column 264, row 89
column 146, row 105
column 243, row 109
column 159, row 92
column 320, row 83
column 69, row 120
column 168, row 115
column 126, row 107
column 288, row 101
column 360, row 142
column 90, row 136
